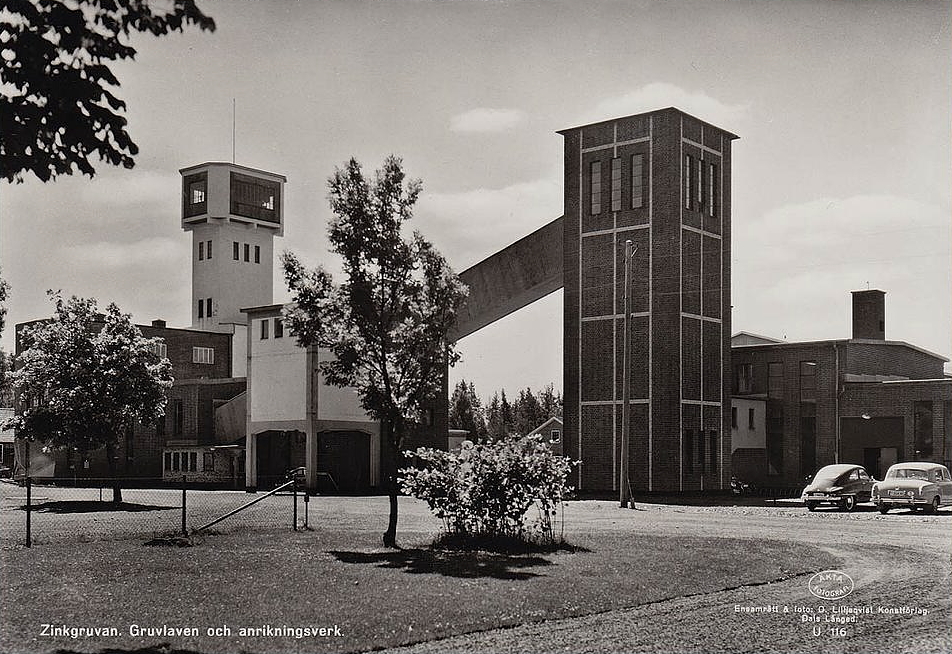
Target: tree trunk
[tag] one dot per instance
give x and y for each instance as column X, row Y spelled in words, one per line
column 392, row 452
column 111, row 460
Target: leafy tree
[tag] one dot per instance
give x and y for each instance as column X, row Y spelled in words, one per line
column 6, row 389
column 56, row 106
column 466, row 411
column 85, row 378
column 386, row 324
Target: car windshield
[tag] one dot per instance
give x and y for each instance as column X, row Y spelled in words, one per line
column 908, row 473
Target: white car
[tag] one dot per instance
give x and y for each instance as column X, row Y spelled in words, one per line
column 915, row 485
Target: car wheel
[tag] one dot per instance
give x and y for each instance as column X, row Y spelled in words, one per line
column 883, row 508
column 934, row 507
column 848, row 503
column 811, row 506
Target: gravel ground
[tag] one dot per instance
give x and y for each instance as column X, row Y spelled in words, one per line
column 899, row 562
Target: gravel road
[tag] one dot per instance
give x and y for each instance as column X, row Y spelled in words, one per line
column 902, row 599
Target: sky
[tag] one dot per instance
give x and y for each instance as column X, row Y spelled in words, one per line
column 841, row 175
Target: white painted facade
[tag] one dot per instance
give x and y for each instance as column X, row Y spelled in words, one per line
column 748, row 423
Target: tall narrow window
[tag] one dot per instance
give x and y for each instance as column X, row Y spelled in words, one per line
column 208, row 307
column 733, row 417
column 700, row 450
column 178, row 417
column 750, row 419
column 712, row 191
column 247, row 253
column 637, row 188
column 208, row 249
column 257, row 254
column 201, row 250
column 596, row 183
column 264, row 328
column 699, row 177
column 234, row 250
column 616, row 184
column 687, row 175
column 278, row 328
column 201, row 309
column 688, row 450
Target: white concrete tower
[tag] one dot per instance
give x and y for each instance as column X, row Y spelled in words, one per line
column 234, row 213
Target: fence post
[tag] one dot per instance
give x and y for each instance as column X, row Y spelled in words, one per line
column 294, row 493
column 184, row 525
column 307, row 500
column 29, row 498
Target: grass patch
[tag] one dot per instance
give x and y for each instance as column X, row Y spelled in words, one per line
column 337, row 575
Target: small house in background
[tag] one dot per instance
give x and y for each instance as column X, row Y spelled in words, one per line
column 551, row 429
column 455, row 439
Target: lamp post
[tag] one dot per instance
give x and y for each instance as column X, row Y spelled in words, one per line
column 624, row 495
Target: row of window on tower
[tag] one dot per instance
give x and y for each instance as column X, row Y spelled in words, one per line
column 237, row 249
column 694, row 441
column 700, row 185
column 635, row 181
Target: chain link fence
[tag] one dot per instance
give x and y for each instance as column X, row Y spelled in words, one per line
column 40, row 510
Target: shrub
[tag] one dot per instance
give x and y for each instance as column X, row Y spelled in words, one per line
column 488, row 489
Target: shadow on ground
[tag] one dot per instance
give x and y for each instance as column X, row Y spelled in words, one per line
column 94, row 506
column 450, row 564
column 160, row 648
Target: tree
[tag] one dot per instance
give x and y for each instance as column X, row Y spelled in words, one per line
column 526, row 413
column 466, row 411
column 386, row 324
column 550, row 402
column 4, row 291
column 85, row 378
column 56, row 106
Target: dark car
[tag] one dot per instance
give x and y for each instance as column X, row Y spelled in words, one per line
column 843, row 485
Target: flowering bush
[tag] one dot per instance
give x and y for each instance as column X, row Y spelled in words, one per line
column 488, row 489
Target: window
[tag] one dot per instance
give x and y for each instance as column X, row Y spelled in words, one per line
column 700, row 449
column 208, row 307
column 807, row 381
column 750, row 419
column 168, row 460
column 744, row 373
column 616, row 184
column 699, row 183
column 688, row 450
column 637, row 184
column 201, row 309
column 686, row 174
column 178, row 416
column 203, row 355
column 264, row 328
column 733, row 417
column 208, row 462
column 160, row 426
column 159, row 349
column 208, row 249
column 278, row 328
column 257, row 254
column 253, row 197
column 555, row 436
column 201, row 250
column 596, row 182
column 194, row 194
column 712, row 190
column 775, row 379
column 922, row 429
column 247, row 253
column 234, row 250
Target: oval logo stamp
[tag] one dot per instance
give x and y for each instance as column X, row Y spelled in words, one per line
column 831, row 584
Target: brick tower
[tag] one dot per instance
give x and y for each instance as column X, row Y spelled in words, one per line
column 662, row 180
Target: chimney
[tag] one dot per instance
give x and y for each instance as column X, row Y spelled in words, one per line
column 158, row 323
column 869, row 315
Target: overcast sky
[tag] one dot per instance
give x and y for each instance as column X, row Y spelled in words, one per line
column 841, row 176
